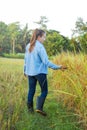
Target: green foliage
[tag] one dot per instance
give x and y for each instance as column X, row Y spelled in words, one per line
column 4, row 38
column 13, row 38
column 80, row 33
column 80, row 27
column 55, row 43
column 14, row 31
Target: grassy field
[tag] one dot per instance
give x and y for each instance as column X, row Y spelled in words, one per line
column 66, row 102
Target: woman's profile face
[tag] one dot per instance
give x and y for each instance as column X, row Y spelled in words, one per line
column 42, row 39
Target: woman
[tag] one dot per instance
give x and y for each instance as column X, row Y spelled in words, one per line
column 36, row 68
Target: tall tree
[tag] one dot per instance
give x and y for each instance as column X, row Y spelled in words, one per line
column 55, row 42
column 14, row 31
column 4, row 39
column 80, row 34
column 42, row 22
column 80, row 27
column 26, row 35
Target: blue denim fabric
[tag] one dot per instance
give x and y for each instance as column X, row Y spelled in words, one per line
column 32, row 81
column 37, row 61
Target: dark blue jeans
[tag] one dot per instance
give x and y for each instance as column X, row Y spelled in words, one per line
column 32, row 81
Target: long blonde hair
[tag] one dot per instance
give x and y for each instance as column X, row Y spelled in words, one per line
column 36, row 33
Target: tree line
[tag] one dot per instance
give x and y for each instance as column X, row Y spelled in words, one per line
column 13, row 38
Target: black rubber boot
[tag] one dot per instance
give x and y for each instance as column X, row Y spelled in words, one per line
column 30, row 107
column 39, row 106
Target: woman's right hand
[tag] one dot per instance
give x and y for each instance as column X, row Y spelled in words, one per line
column 63, row 67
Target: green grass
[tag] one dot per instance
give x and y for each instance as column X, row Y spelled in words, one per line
column 13, row 109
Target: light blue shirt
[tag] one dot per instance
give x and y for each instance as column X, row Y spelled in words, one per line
column 36, row 62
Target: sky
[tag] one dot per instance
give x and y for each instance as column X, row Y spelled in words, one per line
column 61, row 14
